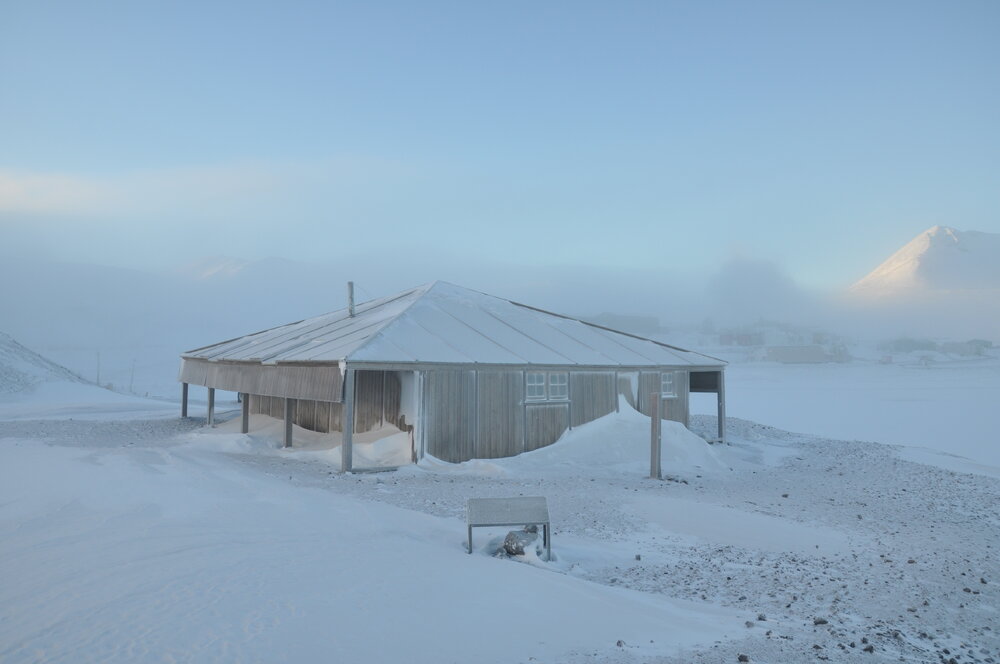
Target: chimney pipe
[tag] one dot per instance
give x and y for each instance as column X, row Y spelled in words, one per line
column 350, row 299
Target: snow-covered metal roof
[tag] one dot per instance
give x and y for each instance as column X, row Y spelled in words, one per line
column 441, row 323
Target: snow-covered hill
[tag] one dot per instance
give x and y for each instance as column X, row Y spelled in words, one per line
column 22, row 369
column 939, row 259
column 33, row 386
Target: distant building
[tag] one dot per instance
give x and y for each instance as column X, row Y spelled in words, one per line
column 908, row 345
column 811, row 354
column 971, row 347
column 468, row 375
column 741, row 339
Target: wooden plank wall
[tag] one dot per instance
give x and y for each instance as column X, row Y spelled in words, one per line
column 271, row 406
column 593, row 394
column 678, row 409
column 391, row 399
column 312, row 415
column 323, row 411
column 450, row 410
column 480, row 414
column 675, row 409
column 501, row 418
column 649, row 381
column 305, row 414
column 377, row 400
column 368, row 400
column 544, row 424
column 320, row 381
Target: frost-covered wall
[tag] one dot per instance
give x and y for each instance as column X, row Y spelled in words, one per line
column 377, row 397
column 449, row 426
column 484, row 414
column 593, row 395
column 464, row 414
column 674, row 408
column 321, row 381
column 501, row 420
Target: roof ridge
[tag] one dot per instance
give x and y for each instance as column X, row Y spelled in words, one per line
column 387, row 299
column 426, row 289
column 609, row 329
column 495, row 330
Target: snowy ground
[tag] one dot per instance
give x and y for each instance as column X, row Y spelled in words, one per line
column 130, row 535
column 947, row 406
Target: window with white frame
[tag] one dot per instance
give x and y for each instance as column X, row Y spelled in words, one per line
column 668, row 387
column 535, row 386
column 558, row 386
column 542, row 386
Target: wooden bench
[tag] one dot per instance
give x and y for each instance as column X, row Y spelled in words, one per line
column 519, row 511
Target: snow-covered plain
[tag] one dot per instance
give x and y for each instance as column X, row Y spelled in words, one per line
column 941, row 410
column 127, row 534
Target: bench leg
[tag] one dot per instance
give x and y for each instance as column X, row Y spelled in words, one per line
column 470, row 539
column 548, row 542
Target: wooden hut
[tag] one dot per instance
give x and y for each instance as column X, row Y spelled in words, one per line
column 468, row 375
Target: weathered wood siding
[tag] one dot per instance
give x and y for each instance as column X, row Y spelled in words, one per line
column 271, row 406
column 367, row 400
column 482, row 414
column 305, row 414
column 450, row 411
column 376, row 401
column 501, row 417
column 323, row 411
column 675, row 408
column 545, row 422
column 649, row 381
column 318, row 382
column 593, row 395
column 391, row 398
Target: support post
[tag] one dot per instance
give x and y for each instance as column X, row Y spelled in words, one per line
column 419, row 425
column 347, row 438
column 655, row 426
column 289, row 417
column 245, row 428
column 184, row 399
column 617, row 395
column 722, row 407
column 211, row 406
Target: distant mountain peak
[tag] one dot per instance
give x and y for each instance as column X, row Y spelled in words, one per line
column 938, row 259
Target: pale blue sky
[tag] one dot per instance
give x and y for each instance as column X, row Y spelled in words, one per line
column 819, row 136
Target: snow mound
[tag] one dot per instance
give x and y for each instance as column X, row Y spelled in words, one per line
column 615, row 444
column 22, row 369
column 383, row 448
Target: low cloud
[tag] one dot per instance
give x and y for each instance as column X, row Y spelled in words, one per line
column 746, row 290
column 55, row 193
column 136, row 194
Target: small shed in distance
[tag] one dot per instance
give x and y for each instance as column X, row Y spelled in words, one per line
column 468, row 375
